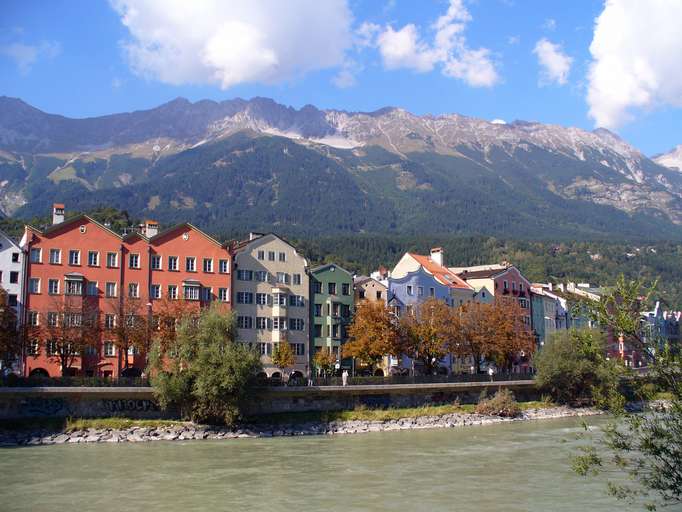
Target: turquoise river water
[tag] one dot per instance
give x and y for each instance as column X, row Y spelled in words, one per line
column 509, row 467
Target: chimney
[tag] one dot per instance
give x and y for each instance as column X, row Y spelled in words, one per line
column 437, row 255
column 151, row 228
column 57, row 213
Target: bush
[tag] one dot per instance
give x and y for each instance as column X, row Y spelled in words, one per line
column 572, row 367
column 205, row 375
column 501, row 403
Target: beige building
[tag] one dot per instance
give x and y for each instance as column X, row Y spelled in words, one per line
column 270, row 297
column 367, row 288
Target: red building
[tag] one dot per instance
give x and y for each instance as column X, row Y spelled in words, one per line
column 78, row 268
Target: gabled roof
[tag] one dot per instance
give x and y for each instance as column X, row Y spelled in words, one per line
column 441, row 273
column 72, row 220
column 9, row 239
column 186, row 225
column 326, row 266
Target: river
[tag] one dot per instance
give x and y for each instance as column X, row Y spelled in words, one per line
column 510, row 467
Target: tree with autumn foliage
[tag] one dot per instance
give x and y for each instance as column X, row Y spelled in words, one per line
column 71, row 326
column 10, row 340
column 512, row 338
column 475, row 332
column 427, row 333
column 167, row 316
column 131, row 328
column 325, row 361
column 283, row 356
column 373, row 333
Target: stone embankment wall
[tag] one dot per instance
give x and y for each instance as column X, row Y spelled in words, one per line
column 140, row 402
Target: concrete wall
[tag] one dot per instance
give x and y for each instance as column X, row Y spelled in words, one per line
column 140, row 403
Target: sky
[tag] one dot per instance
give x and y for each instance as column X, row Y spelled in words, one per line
column 585, row 63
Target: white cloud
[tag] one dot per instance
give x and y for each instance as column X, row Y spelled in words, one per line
column 635, row 64
column 231, row 42
column 346, row 77
column 404, row 48
column 513, row 40
column 498, row 121
column 554, row 63
column 25, row 55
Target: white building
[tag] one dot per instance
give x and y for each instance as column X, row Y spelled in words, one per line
column 11, row 273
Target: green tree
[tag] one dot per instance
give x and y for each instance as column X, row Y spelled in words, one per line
column 647, row 448
column 10, row 341
column 573, row 367
column 204, row 372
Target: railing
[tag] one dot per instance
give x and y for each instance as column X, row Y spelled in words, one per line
column 15, row 381
column 403, row 379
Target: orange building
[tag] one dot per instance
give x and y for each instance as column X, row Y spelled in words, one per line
column 80, row 269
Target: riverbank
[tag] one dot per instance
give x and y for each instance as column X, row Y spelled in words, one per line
column 122, row 431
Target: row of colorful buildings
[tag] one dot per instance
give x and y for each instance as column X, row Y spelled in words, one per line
column 276, row 296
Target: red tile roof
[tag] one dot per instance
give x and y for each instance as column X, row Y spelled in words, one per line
column 442, row 274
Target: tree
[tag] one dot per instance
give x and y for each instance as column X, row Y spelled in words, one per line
column 372, row 334
column 70, row 327
column 511, row 336
column 204, row 372
column 10, row 340
column 131, row 327
column 475, row 335
column 427, row 332
column 167, row 316
column 283, row 356
column 325, row 361
column 646, row 448
column 573, row 367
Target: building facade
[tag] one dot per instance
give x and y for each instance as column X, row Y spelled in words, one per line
column 271, row 298
column 332, row 304
column 368, row 288
column 12, row 281
column 79, row 267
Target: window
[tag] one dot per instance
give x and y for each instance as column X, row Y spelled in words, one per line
column 279, row 299
column 265, row 349
column 133, row 290
column 74, row 257
column 317, row 287
column 52, row 319
column 109, row 349
column 271, row 255
column 190, row 292
column 432, row 292
column 244, row 298
column 156, row 262
column 296, row 324
column 73, row 319
column 32, row 348
column 134, row 261
column 15, row 257
column 206, row 294
column 262, row 299
column 155, row 291
column 73, row 287
column 245, row 322
column 283, row 278
column 224, row 266
column 90, row 351
column 514, row 285
column 112, row 259
column 13, row 277
column 298, row 348
column 523, row 303
column 110, row 290
column 91, row 289
column 172, row 291
column 379, row 296
column 520, row 287
column 261, row 323
column 109, row 321
column 345, row 310
column 409, row 289
column 261, row 276
column 282, row 256
column 297, row 279
column 208, row 265
column 53, row 287
column 317, row 331
column 36, row 255
column 506, row 285
column 51, row 347
column 318, row 309
column 33, row 318
column 93, row 259
column 223, row 294
column 279, row 323
column 34, row 285
column 331, row 288
column 420, row 291
column 261, row 255
column 190, row 264
column 244, row 275
column 297, row 301
column 173, row 263
column 55, row 256
column 345, row 289
column 12, row 300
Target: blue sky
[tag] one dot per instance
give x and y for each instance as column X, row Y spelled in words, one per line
column 83, row 58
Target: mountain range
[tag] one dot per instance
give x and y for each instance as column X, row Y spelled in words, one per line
column 241, row 165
